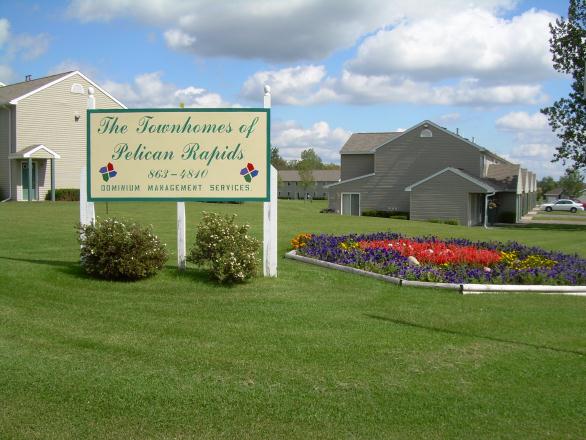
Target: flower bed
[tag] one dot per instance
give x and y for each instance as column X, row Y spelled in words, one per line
column 445, row 261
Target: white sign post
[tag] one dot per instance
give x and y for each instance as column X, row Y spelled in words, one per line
column 270, row 215
column 87, row 212
column 181, row 245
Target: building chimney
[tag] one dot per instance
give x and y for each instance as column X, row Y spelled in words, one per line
column 457, row 131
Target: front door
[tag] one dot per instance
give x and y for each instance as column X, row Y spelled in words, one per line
column 25, row 188
column 350, row 204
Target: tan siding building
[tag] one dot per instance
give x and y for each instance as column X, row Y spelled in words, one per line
column 51, row 112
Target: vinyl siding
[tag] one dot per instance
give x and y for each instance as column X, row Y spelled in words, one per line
column 4, row 151
column 47, row 117
column 294, row 190
column 407, row 160
column 355, row 165
column 443, row 197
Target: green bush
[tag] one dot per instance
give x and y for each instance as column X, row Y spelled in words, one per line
column 449, row 221
column 225, row 248
column 507, row 217
column 64, row 195
column 119, row 250
column 398, row 215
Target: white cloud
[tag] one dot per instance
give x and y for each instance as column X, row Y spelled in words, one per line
column 538, row 151
column 537, row 158
column 470, row 43
column 534, row 142
column 4, row 31
column 29, row 47
column 6, row 74
column 449, row 117
column 523, row 121
column 70, row 65
column 292, row 138
column 308, row 85
column 270, row 30
column 292, row 85
column 179, row 40
column 148, row 90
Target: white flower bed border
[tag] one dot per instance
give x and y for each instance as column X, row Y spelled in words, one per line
column 464, row 289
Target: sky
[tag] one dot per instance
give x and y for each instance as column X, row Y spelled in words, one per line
column 335, row 67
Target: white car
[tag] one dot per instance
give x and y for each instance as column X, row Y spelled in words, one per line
column 563, row 205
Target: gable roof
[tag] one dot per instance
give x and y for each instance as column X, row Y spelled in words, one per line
column 31, row 151
column 503, row 176
column 318, row 175
column 13, row 93
column 484, row 185
column 367, row 142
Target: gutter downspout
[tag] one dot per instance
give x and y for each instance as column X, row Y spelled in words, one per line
column 9, row 160
column 486, row 196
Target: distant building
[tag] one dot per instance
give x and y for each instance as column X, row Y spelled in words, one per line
column 290, row 184
column 431, row 173
column 43, row 133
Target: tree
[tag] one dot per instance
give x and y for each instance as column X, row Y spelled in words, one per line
column 277, row 161
column 567, row 116
column 306, row 175
column 545, row 185
column 310, row 160
column 572, row 184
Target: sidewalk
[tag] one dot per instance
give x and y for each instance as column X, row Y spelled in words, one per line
column 529, row 219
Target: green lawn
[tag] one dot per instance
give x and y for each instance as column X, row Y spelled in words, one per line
column 314, row 353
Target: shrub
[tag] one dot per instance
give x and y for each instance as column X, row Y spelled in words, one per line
column 64, row 195
column 449, row 221
column 327, row 211
column 120, row 250
column 225, row 248
column 398, row 215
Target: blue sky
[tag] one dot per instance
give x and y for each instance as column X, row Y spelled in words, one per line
column 335, row 66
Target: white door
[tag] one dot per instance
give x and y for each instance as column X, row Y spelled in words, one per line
column 350, row 204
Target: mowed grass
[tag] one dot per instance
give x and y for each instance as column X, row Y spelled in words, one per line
column 313, row 353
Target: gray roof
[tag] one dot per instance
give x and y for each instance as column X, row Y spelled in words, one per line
column 503, row 176
column 13, row 91
column 318, row 175
column 554, row 192
column 483, row 183
column 366, row 142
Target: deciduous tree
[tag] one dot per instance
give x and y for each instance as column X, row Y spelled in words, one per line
column 567, row 116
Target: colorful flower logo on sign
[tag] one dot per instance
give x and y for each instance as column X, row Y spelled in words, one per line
column 248, row 172
column 108, row 172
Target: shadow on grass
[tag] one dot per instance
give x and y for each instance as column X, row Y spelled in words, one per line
column 67, row 267
column 472, row 335
column 544, row 227
column 197, row 274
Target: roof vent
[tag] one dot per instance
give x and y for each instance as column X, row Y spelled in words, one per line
column 426, row 133
column 77, row 88
column 28, row 78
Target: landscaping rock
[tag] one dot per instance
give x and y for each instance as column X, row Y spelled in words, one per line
column 413, row 261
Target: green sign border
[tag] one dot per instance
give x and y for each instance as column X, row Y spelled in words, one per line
column 180, row 199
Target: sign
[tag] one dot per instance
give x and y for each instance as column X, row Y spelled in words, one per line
column 178, row 154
